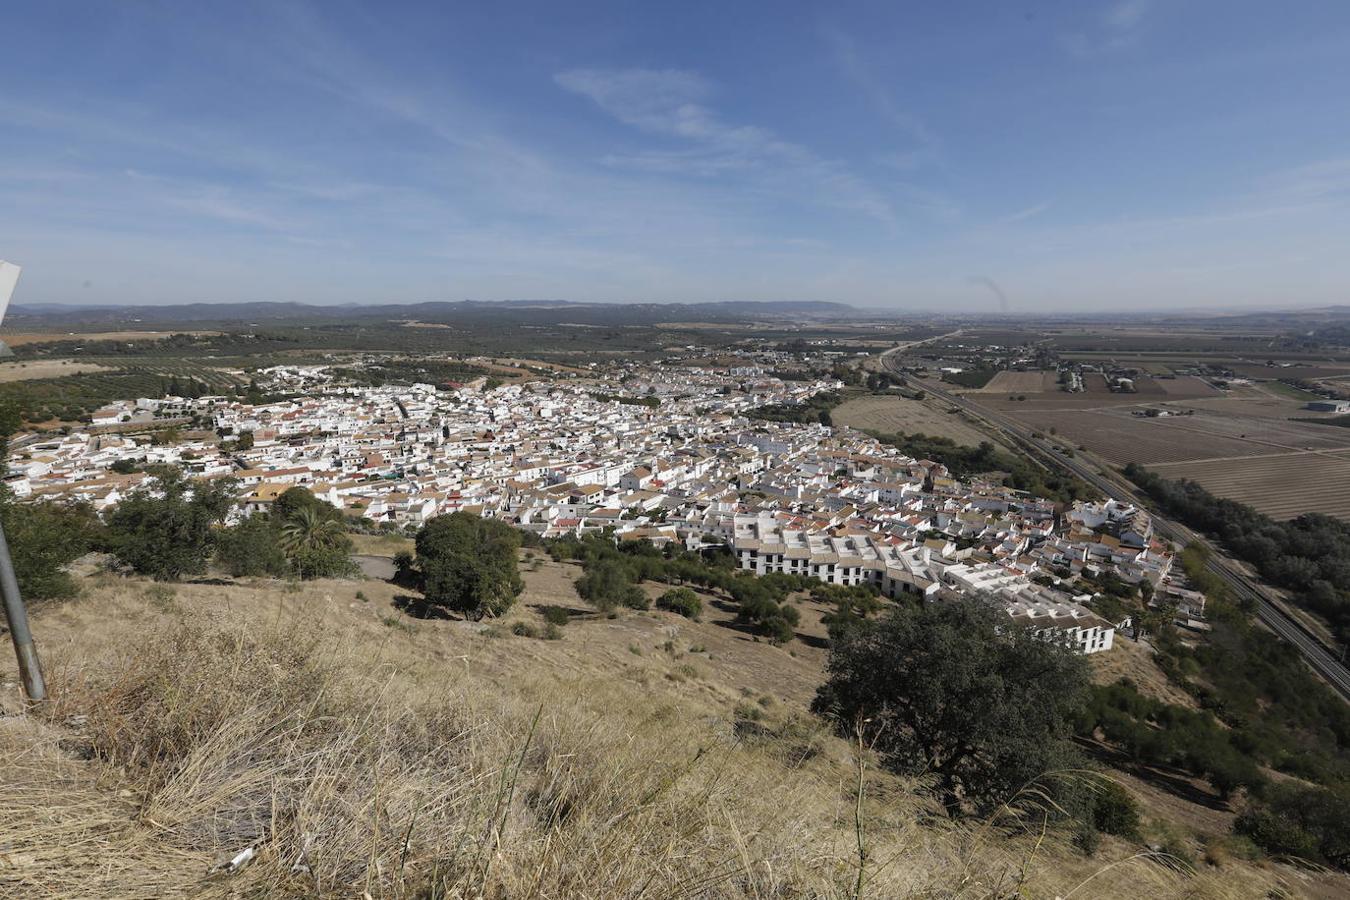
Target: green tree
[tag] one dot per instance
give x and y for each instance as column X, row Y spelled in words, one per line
column 681, row 600
column 251, row 549
column 294, row 499
column 609, row 583
column 309, row 529
column 125, row 466
column 166, row 529
column 313, row 536
column 761, row 606
column 1308, row 822
column 43, row 539
column 955, row 691
column 468, row 564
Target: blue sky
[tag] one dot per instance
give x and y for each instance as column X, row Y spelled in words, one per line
column 1089, row 156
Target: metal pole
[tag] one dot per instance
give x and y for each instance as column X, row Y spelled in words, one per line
column 30, row 670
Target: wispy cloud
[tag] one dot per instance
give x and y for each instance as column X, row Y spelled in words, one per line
column 1022, row 215
column 863, row 74
column 1324, row 180
column 671, row 103
column 1115, row 28
column 1126, row 15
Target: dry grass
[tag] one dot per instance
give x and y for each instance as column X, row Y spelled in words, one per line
column 358, row 759
column 16, row 338
column 46, row 368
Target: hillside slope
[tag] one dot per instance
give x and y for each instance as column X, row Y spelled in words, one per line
column 355, row 749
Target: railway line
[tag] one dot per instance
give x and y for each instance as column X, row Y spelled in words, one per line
column 1319, row 656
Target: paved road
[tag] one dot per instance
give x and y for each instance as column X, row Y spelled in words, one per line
column 1314, row 651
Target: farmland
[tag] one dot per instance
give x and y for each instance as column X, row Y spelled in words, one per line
column 1021, row 383
column 1282, row 486
column 20, row 338
column 1244, row 443
column 891, row 413
column 1220, row 405
column 48, row 368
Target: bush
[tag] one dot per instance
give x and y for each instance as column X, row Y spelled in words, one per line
column 681, row 600
column 607, row 585
column 1306, row 822
column 761, row 605
column 556, row 616
column 1114, row 811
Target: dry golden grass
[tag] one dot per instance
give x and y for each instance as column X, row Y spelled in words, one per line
column 46, row 368
column 361, row 754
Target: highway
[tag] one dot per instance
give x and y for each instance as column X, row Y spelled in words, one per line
column 1318, row 656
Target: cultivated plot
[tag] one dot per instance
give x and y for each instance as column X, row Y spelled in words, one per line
column 1282, row 486
column 891, row 414
column 1021, row 383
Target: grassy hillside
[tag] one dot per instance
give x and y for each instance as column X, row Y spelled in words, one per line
column 356, row 749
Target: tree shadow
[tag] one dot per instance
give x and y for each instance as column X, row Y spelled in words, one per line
column 812, row 640
column 742, row 628
column 213, row 582
column 1174, row 781
column 726, row 606
column 419, row 608
column 573, row 612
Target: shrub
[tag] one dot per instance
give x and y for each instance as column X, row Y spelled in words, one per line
column 681, row 600
column 609, row 583
column 1114, row 811
column 556, row 616
column 636, row 598
column 1307, row 822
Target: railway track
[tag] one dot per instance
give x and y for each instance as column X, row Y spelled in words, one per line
column 1319, row 656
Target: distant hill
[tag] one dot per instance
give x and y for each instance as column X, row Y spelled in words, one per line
column 464, row 312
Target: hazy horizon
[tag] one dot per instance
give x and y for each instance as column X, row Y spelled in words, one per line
column 1096, row 158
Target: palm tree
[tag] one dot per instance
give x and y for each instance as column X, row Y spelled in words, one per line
column 307, row 530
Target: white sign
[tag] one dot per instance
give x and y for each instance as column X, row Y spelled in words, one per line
column 9, row 277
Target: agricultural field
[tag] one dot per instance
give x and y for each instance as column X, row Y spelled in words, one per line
column 1121, row 439
column 1242, row 444
column 47, row 368
column 72, row 397
column 1021, row 383
column 1282, row 486
column 892, row 413
column 20, row 338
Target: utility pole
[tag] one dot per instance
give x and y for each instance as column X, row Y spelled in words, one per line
column 30, row 670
